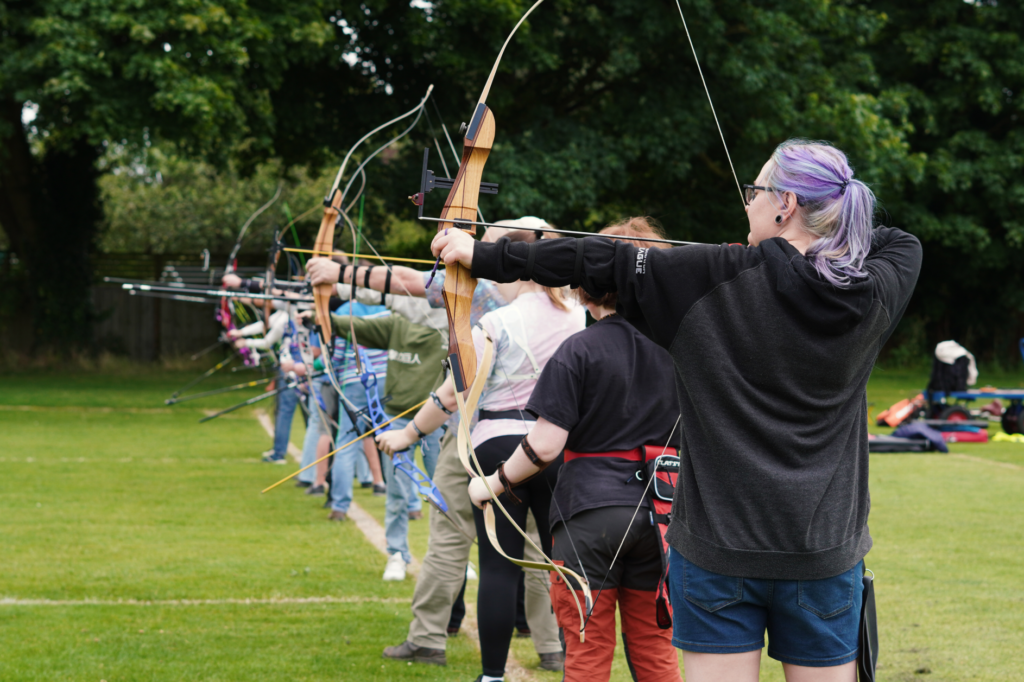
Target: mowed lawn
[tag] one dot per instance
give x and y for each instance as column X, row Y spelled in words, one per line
column 136, row 546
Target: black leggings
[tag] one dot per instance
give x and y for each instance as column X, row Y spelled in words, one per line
column 499, row 578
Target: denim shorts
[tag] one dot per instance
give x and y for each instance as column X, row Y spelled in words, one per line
column 813, row 623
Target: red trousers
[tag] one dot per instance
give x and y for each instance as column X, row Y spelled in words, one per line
column 649, row 650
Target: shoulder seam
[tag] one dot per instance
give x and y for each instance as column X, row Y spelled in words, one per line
column 715, row 288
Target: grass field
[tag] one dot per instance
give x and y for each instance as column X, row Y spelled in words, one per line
column 136, row 546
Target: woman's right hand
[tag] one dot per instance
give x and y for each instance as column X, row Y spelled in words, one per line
column 231, row 281
column 323, row 271
column 394, row 441
column 454, row 246
column 478, row 493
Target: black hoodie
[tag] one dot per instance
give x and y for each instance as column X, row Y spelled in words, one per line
column 771, row 365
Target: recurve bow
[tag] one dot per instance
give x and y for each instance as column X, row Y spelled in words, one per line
column 460, row 211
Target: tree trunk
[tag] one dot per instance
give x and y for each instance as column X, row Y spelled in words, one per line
column 50, row 210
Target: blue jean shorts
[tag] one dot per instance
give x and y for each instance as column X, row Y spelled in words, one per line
column 813, row 623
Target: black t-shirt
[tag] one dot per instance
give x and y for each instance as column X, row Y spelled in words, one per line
column 612, row 389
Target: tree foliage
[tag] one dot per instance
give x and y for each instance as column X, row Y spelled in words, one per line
column 600, row 109
column 959, row 67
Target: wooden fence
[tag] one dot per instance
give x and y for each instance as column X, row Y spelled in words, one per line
column 146, row 328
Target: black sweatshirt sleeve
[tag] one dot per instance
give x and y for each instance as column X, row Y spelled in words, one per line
column 894, row 263
column 655, row 287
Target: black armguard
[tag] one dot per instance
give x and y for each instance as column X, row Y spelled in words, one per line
column 537, row 461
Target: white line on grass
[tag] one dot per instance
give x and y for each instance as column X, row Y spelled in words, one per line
column 85, row 408
column 993, row 462
column 374, row 533
column 366, row 523
column 13, row 601
column 264, row 419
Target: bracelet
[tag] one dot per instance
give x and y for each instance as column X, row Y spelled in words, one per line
column 440, row 405
column 416, row 428
column 506, row 484
column 525, row 444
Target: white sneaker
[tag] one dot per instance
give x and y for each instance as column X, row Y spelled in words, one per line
column 471, row 572
column 395, row 570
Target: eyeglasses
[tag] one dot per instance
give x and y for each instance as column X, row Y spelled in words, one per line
column 750, row 191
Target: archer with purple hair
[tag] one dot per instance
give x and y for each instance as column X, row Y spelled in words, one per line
column 772, row 346
column 832, row 227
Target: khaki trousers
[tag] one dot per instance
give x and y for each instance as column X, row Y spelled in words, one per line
column 444, row 567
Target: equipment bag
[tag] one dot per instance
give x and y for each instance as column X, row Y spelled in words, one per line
column 867, row 656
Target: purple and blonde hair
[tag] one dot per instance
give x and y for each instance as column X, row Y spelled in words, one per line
column 837, row 209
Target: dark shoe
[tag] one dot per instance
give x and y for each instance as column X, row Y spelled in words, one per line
column 407, row 651
column 368, row 484
column 274, row 458
column 452, row 632
column 337, row 516
column 415, row 516
column 303, row 484
column 379, row 489
column 315, row 490
column 522, row 633
column 554, row 661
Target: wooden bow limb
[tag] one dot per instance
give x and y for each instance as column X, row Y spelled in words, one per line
column 463, row 442
column 459, row 212
column 333, row 210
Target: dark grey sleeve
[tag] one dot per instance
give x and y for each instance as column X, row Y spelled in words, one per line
column 655, row 287
column 894, row 264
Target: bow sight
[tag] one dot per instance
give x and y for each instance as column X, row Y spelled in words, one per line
column 429, row 182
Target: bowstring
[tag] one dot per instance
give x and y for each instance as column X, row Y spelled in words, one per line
column 376, row 253
column 359, row 171
column 437, row 145
column 419, row 112
column 565, row 523
column 643, row 498
column 344, row 163
column 710, row 103
column 451, row 145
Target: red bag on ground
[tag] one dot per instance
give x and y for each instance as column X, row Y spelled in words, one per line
column 965, row 436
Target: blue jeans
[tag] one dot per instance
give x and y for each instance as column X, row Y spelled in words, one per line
column 287, row 403
column 402, row 494
column 813, row 623
column 363, row 473
column 313, row 430
column 344, row 467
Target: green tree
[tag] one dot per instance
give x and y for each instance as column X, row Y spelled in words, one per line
column 196, row 72
column 959, row 67
column 160, row 202
column 601, row 112
column 599, row 106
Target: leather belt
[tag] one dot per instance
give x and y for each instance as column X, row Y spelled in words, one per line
column 518, row 415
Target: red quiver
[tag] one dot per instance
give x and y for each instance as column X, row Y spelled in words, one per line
column 661, row 465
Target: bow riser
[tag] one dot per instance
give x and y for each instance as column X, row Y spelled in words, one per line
column 324, row 246
column 459, row 207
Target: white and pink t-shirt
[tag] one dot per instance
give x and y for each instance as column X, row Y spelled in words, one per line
column 526, row 333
